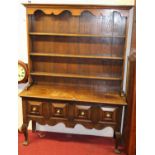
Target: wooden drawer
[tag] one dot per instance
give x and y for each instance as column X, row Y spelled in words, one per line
column 82, row 112
column 35, row 108
column 59, row 109
column 108, row 114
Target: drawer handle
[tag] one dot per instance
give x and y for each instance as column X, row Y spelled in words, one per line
column 108, row 115
column 58, row 111
column 82, row 113
column 34, row 109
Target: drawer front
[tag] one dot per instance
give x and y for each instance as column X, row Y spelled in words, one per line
column 35, row 108
column 82, row 112
column 59, row 109
column 108, row 114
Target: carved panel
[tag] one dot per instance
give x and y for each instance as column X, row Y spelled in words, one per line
column 82, row 112
column 35, row 108
column 108, row 114
column 59, row 110
column 74, row 12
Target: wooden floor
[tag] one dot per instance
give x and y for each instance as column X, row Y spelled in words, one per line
column 70, row 93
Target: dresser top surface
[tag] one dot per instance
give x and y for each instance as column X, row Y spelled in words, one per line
column 72, row 93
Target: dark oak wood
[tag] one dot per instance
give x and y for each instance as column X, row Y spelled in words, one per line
column 130, row 118
column 130, row 125
column 76, row 57
column 75, row 9
column 25, row 122
column 117, row 135
column 33, row 126
column 71, row 93
column 73, row 35
column 74, row 76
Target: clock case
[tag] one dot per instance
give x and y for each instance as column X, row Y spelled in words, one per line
column 25, row 66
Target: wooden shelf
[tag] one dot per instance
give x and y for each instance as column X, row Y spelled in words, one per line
column 75, row 76
column 75, row 56
column 73, row 35
column 72, row 93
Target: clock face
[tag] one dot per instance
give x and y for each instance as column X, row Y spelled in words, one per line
column 21, row 72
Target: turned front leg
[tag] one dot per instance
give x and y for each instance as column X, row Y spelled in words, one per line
column 25, row 132
column 117, row 136
column 25, row 121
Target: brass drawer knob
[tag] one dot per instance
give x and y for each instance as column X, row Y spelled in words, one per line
column 108, row 115
column 58, row 111
column 82, row 113
column 34, row 109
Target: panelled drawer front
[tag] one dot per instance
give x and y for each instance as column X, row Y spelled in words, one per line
column 59, row 109
column 82, row 112
column 108, row 114
column 35, row 108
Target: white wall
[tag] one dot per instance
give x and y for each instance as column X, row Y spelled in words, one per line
column 104, row 2
column 23, row 56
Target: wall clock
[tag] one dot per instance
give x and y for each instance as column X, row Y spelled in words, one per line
column 22, row 72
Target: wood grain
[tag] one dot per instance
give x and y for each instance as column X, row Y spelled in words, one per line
column 72, row 35
column 76, row 59
column 60, row 92
column 39, row 54
column 74, row 76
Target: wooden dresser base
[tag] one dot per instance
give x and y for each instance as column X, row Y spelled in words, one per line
column 90, row 115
